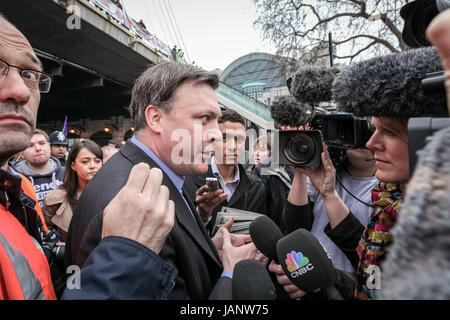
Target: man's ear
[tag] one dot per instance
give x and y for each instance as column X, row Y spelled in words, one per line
column 153, row 117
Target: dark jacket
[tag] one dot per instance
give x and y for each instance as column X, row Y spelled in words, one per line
column 188, row 247
column 104, row 276
column 277, row 183
column 250, row 194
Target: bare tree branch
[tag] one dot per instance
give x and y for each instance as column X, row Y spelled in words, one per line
column 352, row 56
column 378, row 40
column 372, row 27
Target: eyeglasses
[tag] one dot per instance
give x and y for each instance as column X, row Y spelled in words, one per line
column 34, row 80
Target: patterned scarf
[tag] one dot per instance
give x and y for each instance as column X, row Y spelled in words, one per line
column 386, row 198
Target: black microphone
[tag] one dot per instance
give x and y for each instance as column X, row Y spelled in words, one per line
column 391, row 85
column 312, row 84
column 307, row 264
column 265, row 234
column 287, row 111
column 252, row 282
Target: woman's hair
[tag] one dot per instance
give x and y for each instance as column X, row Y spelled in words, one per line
column 397, row 124
column 70, row 183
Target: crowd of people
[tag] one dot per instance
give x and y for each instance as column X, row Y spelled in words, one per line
column 138, row 221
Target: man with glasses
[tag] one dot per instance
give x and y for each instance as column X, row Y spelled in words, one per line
column 24, row 270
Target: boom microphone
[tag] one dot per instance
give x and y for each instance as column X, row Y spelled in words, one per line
column 313, row 84
column 391, row 86
column 287, row 111
column 265, row 234
column 306, row 263
column 252, row 282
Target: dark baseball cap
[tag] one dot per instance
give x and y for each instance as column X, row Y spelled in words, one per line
column 58, row 138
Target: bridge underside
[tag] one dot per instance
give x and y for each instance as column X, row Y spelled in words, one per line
column 94, row 67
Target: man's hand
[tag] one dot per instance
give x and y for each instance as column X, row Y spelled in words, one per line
column 141, row 211
column 291, row 289
column 232, row 254
column 207, row 201
column 236, row 240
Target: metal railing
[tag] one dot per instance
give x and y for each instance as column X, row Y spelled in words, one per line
column 252, row 105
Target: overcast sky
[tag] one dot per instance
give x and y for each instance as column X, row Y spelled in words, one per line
column 214, row 32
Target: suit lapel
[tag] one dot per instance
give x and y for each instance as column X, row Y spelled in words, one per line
column 193, row 226
column 202, row 228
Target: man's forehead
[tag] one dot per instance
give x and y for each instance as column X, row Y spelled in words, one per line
column 12, row 39
column 234, row 126
column 38, row 137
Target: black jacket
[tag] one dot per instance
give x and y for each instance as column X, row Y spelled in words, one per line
column 250, row 194
column 188, row 247
column 110, row 272
column 277, row 183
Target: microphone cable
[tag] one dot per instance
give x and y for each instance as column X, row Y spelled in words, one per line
column 340, row 182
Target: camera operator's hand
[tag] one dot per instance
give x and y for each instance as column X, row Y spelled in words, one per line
column 207, row 201
column 141, row 211
column 324, row 177
column 324, row 180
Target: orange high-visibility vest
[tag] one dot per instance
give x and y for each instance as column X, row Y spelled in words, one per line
column 24, row 270
column 28, row 189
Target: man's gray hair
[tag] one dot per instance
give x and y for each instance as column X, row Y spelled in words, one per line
column 157, row 85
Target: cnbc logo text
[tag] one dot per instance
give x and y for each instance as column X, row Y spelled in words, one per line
column 297, row 264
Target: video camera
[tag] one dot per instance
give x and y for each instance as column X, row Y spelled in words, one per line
column 343, row 130
column 420, row 129
column 339, row 131
column 310, row 87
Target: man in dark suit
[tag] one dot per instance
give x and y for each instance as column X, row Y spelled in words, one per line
column 174, row 109
column 237, row 188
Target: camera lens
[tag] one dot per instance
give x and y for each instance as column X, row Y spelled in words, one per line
column 300, row 148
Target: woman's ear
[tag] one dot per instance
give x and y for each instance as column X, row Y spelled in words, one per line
column 72, row 166
column 153, row 117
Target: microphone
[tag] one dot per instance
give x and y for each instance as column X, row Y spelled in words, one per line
column 391, row 86
column 265, row 235
column 306, row 263
column 313, row 84
column 287, row 111
column 252, row 282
